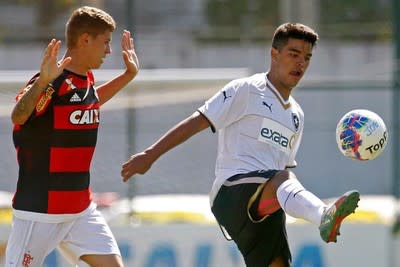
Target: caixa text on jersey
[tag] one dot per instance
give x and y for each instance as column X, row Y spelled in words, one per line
column 87, row 116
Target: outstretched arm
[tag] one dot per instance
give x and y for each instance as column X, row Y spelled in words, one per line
column 108, row 90
column 140, row 163
column 49, row 70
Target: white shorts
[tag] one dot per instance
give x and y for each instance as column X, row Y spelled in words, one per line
column 31, row 241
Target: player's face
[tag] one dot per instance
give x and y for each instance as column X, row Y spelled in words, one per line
column 99, row 47
column 291, row 61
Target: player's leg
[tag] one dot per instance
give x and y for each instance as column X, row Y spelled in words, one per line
column 91, row 240
column 103, row 260
column 294, row 199
column 30, row 242
column 260, row 240
column 279, row 262
column 298, row 202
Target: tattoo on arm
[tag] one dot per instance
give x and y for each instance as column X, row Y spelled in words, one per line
column 26, row 104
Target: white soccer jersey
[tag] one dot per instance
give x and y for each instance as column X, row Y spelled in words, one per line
column 257, row 128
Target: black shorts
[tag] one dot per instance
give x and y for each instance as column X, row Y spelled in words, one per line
column 259, row 241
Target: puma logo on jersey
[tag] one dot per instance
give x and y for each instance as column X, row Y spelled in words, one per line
column 268, row 106
column 82, row 117
column 225, row 95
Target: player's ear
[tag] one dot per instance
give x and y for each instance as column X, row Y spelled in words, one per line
column 274, row 53
column 83, row 39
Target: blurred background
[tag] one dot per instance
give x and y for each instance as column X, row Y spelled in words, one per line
column 198, row 33
column 188, row 49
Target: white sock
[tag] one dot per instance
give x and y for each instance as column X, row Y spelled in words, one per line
column 296, row 201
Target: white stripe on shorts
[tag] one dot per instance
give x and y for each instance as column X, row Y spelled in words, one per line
column 246, row 180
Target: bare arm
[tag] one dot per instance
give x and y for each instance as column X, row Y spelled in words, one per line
column 49, row 70
column 108, row 90
column 25, row 105
column 140, row 163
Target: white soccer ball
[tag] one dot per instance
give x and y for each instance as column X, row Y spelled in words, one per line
column 361, row 134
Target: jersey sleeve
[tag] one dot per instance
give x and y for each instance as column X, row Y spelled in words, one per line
column 226, row 106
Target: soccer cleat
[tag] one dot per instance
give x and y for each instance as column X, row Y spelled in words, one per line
column 334, row 215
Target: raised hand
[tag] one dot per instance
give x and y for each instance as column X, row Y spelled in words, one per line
column 50, row 68
column 129, row 54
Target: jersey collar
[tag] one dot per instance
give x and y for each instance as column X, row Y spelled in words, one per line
column 285, row 103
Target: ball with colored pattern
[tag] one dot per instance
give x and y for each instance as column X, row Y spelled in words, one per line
column 361, row 134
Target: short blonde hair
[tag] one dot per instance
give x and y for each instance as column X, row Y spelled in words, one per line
column 89, row 20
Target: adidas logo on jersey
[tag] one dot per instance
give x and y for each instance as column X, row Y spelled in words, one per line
column 75, row 98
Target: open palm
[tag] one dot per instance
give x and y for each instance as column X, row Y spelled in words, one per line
column 129, row 54
column 50, row 68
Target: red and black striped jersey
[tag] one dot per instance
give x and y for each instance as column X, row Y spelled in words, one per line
column 55, row 147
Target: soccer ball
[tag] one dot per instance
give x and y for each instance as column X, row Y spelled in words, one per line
column 361, row 134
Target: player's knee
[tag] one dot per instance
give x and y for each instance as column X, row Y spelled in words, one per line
column 268, row 202
column 267, row 207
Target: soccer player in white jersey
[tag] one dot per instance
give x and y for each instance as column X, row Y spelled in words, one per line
column 259, row 127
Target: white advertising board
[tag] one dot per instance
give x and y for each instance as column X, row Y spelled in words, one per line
column 191, row 245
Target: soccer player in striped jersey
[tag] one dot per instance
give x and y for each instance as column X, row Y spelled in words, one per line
column 259, row 126
column 56, row 118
